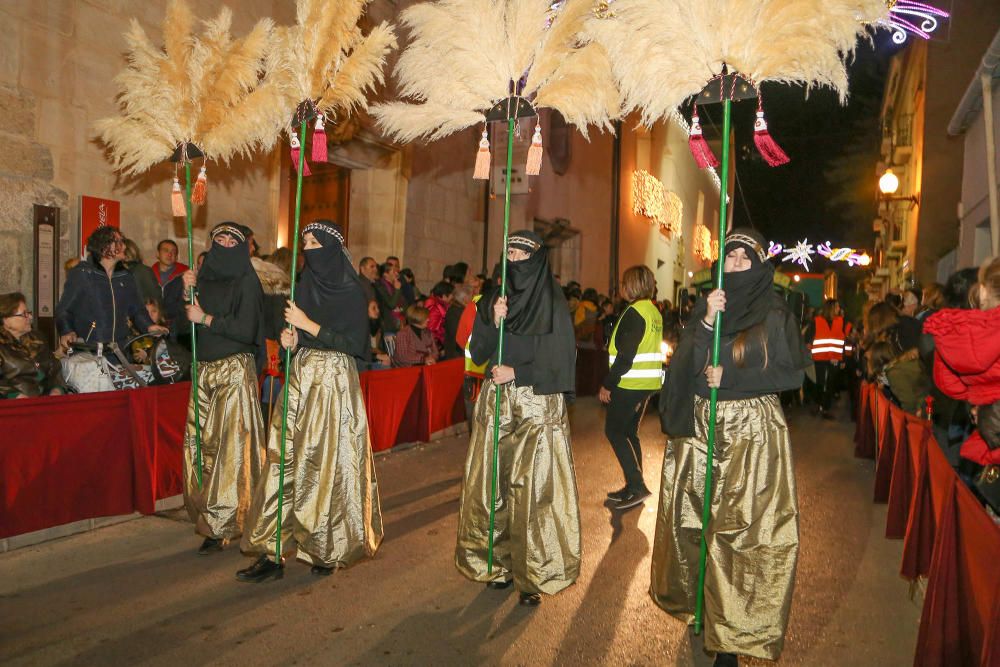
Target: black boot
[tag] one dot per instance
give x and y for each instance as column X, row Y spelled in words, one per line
column 321, row 570
column 262, row 570
column 500, row 585
column 726, row 660
column 530, row 599
column 209, row 546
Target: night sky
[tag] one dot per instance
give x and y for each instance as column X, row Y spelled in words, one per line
column 827, row 191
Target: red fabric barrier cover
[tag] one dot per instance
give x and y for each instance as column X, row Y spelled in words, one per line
column 901, row 484
column 862, row 422
column 891, row 429
column 387, row 395
column 865, row 447
column 443, row 395
column 157, row 416
column 920, row 524
column 64, row 459
column 960, row 610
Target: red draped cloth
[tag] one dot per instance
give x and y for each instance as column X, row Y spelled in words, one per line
column 389, row 396
column 443, row 395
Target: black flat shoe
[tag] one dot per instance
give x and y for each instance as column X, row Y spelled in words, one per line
column 500, row 585
column 633, row 499
column 262, row 570
column 618, row 495
column 321, row 570
column 209, row 546
column 726, row 660
column 530, row 600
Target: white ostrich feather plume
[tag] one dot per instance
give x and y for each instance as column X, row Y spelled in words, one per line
column 664, row 51
column 464, row 54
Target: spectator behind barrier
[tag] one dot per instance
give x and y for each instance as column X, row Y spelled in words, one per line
column 27, row 366
column 145, row 279
column 415, row 345
column 100, row 296
column 437, row 306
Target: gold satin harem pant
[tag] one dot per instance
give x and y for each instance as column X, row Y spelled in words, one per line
column 330, row 508
column 536, row 537
column 753, row 536
column 232, row 446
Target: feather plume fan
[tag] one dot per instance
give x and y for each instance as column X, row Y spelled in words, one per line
column 328, row 60
column 216, row 92
column 664, row 51
column 464, row 54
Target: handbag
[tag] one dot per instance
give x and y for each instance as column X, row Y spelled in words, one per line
column 988, row 486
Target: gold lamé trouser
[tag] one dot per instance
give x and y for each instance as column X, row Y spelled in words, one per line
column 536, row 537
column 753, row 536
column 232, row 446
column 330, row 507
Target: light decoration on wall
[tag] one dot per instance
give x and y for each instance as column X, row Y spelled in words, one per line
column 802, row 253
column 904, row 16
column 702, row 243
column 651, row 199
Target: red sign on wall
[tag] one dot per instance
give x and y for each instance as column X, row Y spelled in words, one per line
column 97, row 212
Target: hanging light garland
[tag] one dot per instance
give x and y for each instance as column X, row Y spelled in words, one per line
column 803, row 252
column 651, row 199
column 904, row 16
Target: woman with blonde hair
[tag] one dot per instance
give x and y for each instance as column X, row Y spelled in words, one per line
column 636, row 371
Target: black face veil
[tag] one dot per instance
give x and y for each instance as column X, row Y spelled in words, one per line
column 529, row 289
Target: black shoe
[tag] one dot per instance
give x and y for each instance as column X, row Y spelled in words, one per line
column 209, row 546
column 827, row 414
column 530, row 600
column 632, row 499
column 262, row 570
column 503, row 584
column 321, row 570
column 618, row 495
column 726, row 660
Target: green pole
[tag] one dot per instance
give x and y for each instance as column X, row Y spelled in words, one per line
column 194, row 337
column 288, row 350
column 503, row 293
column 706, row 512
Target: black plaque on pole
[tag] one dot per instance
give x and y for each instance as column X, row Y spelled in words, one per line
column 46, row 270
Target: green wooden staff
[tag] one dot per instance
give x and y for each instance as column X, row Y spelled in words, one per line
column 288, row 350
column 706, row 513
column 194, row 337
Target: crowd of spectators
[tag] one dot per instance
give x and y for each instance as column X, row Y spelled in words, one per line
column 936, row 354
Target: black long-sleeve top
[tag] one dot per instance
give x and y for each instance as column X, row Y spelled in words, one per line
column 628, row 335
column 753, row 378
column 239, row 328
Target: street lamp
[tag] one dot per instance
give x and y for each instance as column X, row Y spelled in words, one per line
column 888, row 183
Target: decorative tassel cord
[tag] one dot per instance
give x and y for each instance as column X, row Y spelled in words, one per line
column 288, row 351
column 503, row 293
column 194, row 334
column 706, row 513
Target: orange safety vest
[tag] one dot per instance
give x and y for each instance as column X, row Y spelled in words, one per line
column 830, row 339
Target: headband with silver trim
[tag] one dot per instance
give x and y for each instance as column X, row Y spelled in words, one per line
column 523, row 243
column 320, row 227
column 231, row 230
column 750, row 242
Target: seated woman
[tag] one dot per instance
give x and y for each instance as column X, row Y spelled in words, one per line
column 27, row 366
column 415, row 344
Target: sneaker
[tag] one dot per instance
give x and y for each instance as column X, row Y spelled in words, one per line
column 618, row 495
column 632, row 499
column 500, row 584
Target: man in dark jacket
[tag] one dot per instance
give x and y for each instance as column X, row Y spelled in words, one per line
column 389, row 295
column 168, row 272
column 100, row 296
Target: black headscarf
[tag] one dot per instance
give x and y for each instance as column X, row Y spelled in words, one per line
column 529, row 289
column 749, row 294
column 223, row 268
column 330, row 292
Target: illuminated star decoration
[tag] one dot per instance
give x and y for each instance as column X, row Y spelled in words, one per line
column 903, row 15
column 801, row 254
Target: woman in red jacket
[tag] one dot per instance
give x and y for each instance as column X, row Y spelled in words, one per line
column 967, row 357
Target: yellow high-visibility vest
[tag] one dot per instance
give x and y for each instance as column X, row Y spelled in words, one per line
column 647, row 365
column 470, row 367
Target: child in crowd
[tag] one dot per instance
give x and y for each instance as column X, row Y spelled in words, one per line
column 415, row 344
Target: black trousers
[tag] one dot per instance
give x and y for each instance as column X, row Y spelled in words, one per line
column 621, row 426
column 826, row 383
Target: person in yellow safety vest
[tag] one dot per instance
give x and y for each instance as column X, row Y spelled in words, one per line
column 635, row 357
column 473, row 372
column 828, row 335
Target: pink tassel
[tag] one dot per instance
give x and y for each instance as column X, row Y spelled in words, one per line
column 200, row 187
column 482, row 170
column 703, row 155
column 534, row 166
column 769, row 149
column 295, row 157
column 177, row 200
column 319, row 153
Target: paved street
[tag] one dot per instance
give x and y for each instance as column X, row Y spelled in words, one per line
column 136, row 592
